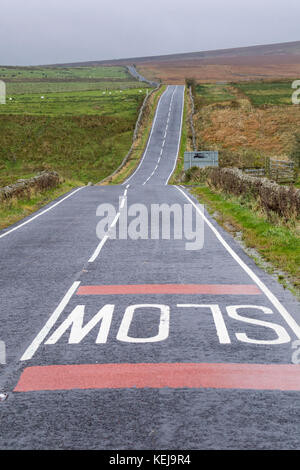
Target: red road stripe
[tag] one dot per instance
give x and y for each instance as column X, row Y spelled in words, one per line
column 221, row 289
column 172, row 375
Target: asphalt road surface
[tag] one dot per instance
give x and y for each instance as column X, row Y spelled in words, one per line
column 136, row 341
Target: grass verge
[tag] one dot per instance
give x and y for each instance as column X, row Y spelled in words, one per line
column 278, row 244
column 17, row 209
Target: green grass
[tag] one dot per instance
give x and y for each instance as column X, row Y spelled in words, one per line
column 109, row 102
column 214, row 93
column 82, row 127
column 44, row 87
column 268, row 93
column 82, row 135
column 278, row 244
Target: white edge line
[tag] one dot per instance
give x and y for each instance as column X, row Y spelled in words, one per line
column 148, row 143
column 40, row 213
column 179, row 140
column 51, row 321
column 280, row 308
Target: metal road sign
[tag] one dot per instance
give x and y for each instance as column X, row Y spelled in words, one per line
column 201, row 159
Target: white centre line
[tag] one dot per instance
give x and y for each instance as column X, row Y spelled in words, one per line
column 98, row 249
column 115, row 220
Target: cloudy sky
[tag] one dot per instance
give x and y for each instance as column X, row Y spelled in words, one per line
column 36, row 32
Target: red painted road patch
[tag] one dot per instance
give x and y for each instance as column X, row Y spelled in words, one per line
column 172, row 375
column 216, row 289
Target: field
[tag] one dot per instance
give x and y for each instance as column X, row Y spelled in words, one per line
column 214, row 93
column 30, row 80
column 82, row 134
column 246, row 121
column 62, row 73
column 273, row 93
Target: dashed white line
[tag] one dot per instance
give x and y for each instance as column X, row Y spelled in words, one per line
column 115, row 220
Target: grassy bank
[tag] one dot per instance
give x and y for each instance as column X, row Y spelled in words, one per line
column 278, row 244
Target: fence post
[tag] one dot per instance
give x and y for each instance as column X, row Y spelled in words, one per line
column 267, row 167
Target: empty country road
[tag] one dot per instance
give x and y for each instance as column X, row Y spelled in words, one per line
column 133, row 339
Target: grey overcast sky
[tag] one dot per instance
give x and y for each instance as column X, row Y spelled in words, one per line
column 36, row 32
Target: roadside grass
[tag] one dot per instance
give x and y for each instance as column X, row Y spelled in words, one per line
column 141, row 142
column 17, row 209
column 277, row 243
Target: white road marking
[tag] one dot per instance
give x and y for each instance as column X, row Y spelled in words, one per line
column 52, row 320
column 273, row 299
column 41, row 213
column 115, row 220
column 104, row 239
column 98, row 249
column 163, row 329
column 222, row 331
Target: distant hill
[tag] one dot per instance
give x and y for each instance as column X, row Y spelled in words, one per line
column 263, row 61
